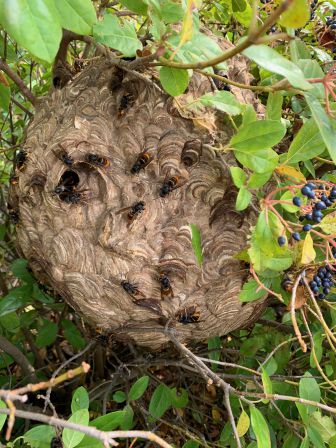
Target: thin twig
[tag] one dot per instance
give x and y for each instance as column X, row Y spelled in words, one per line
column 292, row 311
column 18, row 81
column 18, row 357
column 107, row 437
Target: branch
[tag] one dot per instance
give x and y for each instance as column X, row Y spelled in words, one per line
column 106, row 437
column 18, row 357
column 292, row 312
column 18, row 81
column 251, row 39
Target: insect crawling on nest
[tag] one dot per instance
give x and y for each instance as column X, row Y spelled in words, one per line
column 13, row 214
column 134, row 211
column 13, row 179
column 75, row 197
column 125, row 103
column 96, row 160
column 188, row 315
column 166, row 289
column 64, row 156
column 21, row 160
column 131, row 289
column 143, row 159
column 169, row 185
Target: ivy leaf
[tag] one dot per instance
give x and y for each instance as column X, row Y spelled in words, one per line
column 272, row 61
column 328, row 223
column 296, row 16
column 325, row 124
column 243, row 424
column 258, row 135
column 223, row 101
column 117, row 35
column 174, row 80
column 307, row 144
column 243, row 199
column 76, row 15
column 260, row 428
column 196, row 243
column 34, row 25
column 4, row 97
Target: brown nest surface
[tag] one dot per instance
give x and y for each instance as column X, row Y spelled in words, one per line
column 117, row 244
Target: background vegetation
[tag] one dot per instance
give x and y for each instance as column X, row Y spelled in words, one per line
column 268, row 386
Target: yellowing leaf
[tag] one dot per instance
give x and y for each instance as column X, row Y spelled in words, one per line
column 290, row 172
column 328, row 223
column 187, row 27
column 297, row 14
column 308, row 251
column 243, row 424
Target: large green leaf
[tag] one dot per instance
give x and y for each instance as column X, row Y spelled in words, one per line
column 271, row 60
column 76, row 15
column 258, row 135
column 296, row 15
column 308, row 143
column 325, row 124
column 34, row 24
column 117, row 35
column 261, row 160
column 174, row 80
column 312, row 69
column 223, row 101
column 309, row 390
column 70, row 437
column 260, row 428
column 40, row 436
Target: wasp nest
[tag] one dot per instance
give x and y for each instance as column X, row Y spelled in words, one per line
column 110, row 178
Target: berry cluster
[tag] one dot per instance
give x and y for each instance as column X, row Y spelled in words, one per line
column 331, row 21
column 313, row 6
column 322, row 282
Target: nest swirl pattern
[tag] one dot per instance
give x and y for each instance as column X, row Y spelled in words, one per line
column 127, row 268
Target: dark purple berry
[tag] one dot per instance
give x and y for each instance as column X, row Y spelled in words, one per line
column 320, row 206
column 312, row 284
column 307, row 227
column 310, row 185
column 297, row 201
column 326, row 291
column 281, row 240
column 306, row 190
column 315, row 290
column 321, row 296
column 296, row 236
column 309, row 216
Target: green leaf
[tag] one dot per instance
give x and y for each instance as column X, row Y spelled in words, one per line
column 179, row 398
column 174, row 80
column 328, row 223
column 258, row 135
column 243, row 424
column 259, row 160
column 4, row 97
column 127, row 421
column 288, row 197
column 40, row 296
column 15, row 299
column 312, row 69
column 296, row 15
column 243, row 199
column 70, row 437
column 274, row 106
column 138, row 388
column 76, row 15
column 251, row 291
column 191, row 444
column 34, row 25
column 47, row 334
column 117, row 35
column 271, row 60
column 305, row 443
column 325, row 124
column 196, row 242
column 72, row 334
column 249, row 116
column 171, row 12
column 119, row 396
column 19, row 269
column 332, row 442
column 324, row 425
column 40, row 436
column 238, row 176
column 260, row 428
column 309, row 390
column 298, row 50
column 307, row 144
column 239, row 5
column 318, row 339
column 2, row 416
column 108, row 422
column 138, row 6
column 267, row 383
column 160, row 401
column 223, row 101
column 214, row 343
column 258, row 180
column 265, row 253
column 80, row 399
column 315, row 438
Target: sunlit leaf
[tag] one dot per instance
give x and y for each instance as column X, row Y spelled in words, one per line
column 258, row 135
column 243, row 199
column 238, row 176
column 223, row 101
column 307, row 144
column 76, row 15
column 70, row 437
column 274, row 106
column 328, row 223
column 290, row 173
column 308, row 251
column 296, row 15
column 174, row 80
column 243, row 424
